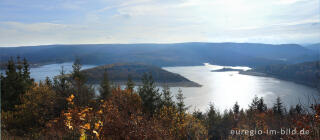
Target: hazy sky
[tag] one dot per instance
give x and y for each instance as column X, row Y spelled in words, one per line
column 39, row 22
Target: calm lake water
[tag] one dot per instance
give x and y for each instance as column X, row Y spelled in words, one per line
column 222, row 89
column 40, row 73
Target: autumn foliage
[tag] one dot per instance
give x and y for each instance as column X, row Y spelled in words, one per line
column 122, row 117
column 65, row 109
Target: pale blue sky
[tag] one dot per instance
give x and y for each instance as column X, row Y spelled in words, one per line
column 40, row 22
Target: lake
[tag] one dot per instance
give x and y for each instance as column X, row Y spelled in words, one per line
column 51, row 70
column 222, row 89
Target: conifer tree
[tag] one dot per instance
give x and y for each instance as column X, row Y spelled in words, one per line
column 14, row 83
column 298, row 109
column 278, row 107
column 149, row 94
column 48, row 82
column 261, row 106
column 105, row 89
column 83, row 93
column 167, row 97
column 236, row 108
column 130, row 84
column 212, row 122
column 211, row 114
column 198, row 114
column 26, row 72
column 77, row 76
column 181, row 107
column 254, row 104
column 62, row 86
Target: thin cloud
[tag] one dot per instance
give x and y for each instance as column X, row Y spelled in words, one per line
column 39, row 22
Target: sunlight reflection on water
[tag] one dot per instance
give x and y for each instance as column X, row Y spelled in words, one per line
column 223, row 89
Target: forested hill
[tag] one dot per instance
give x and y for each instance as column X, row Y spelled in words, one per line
column 315, row 47
column 119, row 73
column 177, row 54
column 307, row 73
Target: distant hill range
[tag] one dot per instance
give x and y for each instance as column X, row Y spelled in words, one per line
column 176, row 54
column 315, row 47
column 307, row 73
column 118, row 74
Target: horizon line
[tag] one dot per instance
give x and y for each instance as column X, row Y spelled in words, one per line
column 303, row 44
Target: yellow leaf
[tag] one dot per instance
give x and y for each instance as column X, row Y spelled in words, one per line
column 96, row 125
column 87, row 126
column 100, row 111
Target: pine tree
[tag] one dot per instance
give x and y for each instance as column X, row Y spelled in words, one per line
column 254, row 104
column 14, row 83
column 211, row 114
column 262, row 107
column 26, row 72
column 8, row 90
column 76, row 73
column 167, row 97
column 181, row 107
column 105, row 89
column 11, row 67
column 83, row 92
column 258, row 104
column 278, row 107
column 48, row 82
column 295, row 110
column 130, row 84
column 298, row 109
column 198, row 114
column 149, row 94
column 212, row 120
column 236, row 108
column 62, row 86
